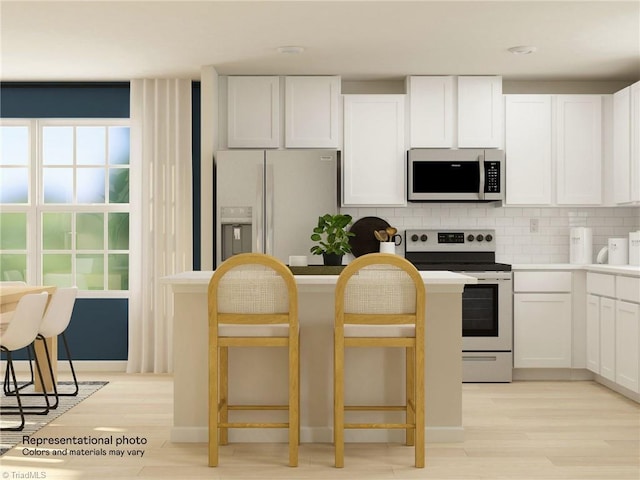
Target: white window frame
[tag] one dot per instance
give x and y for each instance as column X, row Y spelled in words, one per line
column 35, row 206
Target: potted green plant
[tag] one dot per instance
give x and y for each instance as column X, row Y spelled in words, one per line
column 332, row 238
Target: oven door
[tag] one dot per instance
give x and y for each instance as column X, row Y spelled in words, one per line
column 487, row 313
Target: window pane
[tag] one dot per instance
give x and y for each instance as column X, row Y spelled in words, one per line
column 118, row 185
column 13, row 267
column 118, row 272
column 58, row 185
column 56, row 231
column 57, row 145
column 56, row 270
column 90, row 272
column 14, row 145
column 91, row 145
column 90, row 185
column 118, row 231
column 90, row 231
column 119, row 145
column 14, row 185
column 13, row 231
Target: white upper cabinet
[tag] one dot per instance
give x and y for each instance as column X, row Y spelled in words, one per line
column 312, row 112
column 374, row 166
column 626, row 145
column 451, row 112
column 579, row 149
column 479, row 111
column 253, row 106
column 432, row 111
column 553, row 146
column 528, row 149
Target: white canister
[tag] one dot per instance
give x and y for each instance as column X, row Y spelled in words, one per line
column 618, row 251
column 580, row 246
column 387, row 247
column 634, row 248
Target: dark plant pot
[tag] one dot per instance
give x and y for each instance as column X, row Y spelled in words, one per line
column 332, row 259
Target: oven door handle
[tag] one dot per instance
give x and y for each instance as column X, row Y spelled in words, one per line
column 482, row 176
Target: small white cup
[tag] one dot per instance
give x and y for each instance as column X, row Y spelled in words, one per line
column 387, row 247
column 297, row 260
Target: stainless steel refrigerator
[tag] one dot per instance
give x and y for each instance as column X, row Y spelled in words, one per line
column 269, row 200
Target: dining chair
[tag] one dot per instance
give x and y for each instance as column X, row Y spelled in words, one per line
column 21, row 333
column 55, row 322
column 380, row 302
column 253, row 302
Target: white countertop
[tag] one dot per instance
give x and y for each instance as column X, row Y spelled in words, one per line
column 439, row 277
column 629, row 270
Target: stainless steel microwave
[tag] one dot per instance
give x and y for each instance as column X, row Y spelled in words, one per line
column 448, row 175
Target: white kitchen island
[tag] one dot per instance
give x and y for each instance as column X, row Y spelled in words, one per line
column 373, row 376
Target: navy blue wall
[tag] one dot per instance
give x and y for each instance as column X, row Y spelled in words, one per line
column 99, row 327
column 64, row 100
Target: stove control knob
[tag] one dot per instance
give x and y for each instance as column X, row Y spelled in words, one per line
column 480, row 237
column 414, row 237
column 489, row 237
column 423, row 237
column 470, row 238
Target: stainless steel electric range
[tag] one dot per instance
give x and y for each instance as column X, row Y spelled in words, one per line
column 487, row 313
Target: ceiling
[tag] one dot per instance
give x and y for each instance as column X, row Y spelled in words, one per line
column 360, row 40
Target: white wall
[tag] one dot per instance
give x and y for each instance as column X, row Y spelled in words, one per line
column 515, row 243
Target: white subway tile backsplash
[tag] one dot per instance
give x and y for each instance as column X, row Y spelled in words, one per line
column 515, row 243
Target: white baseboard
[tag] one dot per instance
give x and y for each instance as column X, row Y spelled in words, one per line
column 22, row 366
column 552, row 374
column 315, row 435
column 618, row 388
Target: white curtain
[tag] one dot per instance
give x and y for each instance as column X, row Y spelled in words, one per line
column 161, row 216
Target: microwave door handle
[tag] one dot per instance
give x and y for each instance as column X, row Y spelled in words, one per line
column 482, row 176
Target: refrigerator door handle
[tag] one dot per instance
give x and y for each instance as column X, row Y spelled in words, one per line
column 258, row 212
column 269, row 209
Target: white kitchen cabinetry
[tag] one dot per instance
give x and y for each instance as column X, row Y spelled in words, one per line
column 553, row 149
column 450, row 112
column 627, row 343
column 374, row 166
column 593, row 333
column 626, row 145
column 528, row 147
column 579, row 149
column 479, row 111
column 253, row 108
column 432, row 111
column 312, row 111
column 613, row 327
column 542, row 320
column 628, row 332
column 607, row 338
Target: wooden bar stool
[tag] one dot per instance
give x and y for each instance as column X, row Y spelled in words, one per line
column 253, row 302
column 380, row 302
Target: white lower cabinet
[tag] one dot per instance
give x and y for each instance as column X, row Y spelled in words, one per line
column 593, row 333
column 607, row 338
column 542, row 335
column 613, row 328
column 628, row 344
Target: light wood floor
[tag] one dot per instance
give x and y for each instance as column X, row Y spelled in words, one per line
column 523, row 430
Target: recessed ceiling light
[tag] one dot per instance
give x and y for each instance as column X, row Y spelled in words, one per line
column 290, row 50
column 523, row 49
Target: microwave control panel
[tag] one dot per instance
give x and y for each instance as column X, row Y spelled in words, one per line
column 492, row 177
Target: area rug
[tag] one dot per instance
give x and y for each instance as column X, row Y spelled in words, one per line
column 33, row 423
